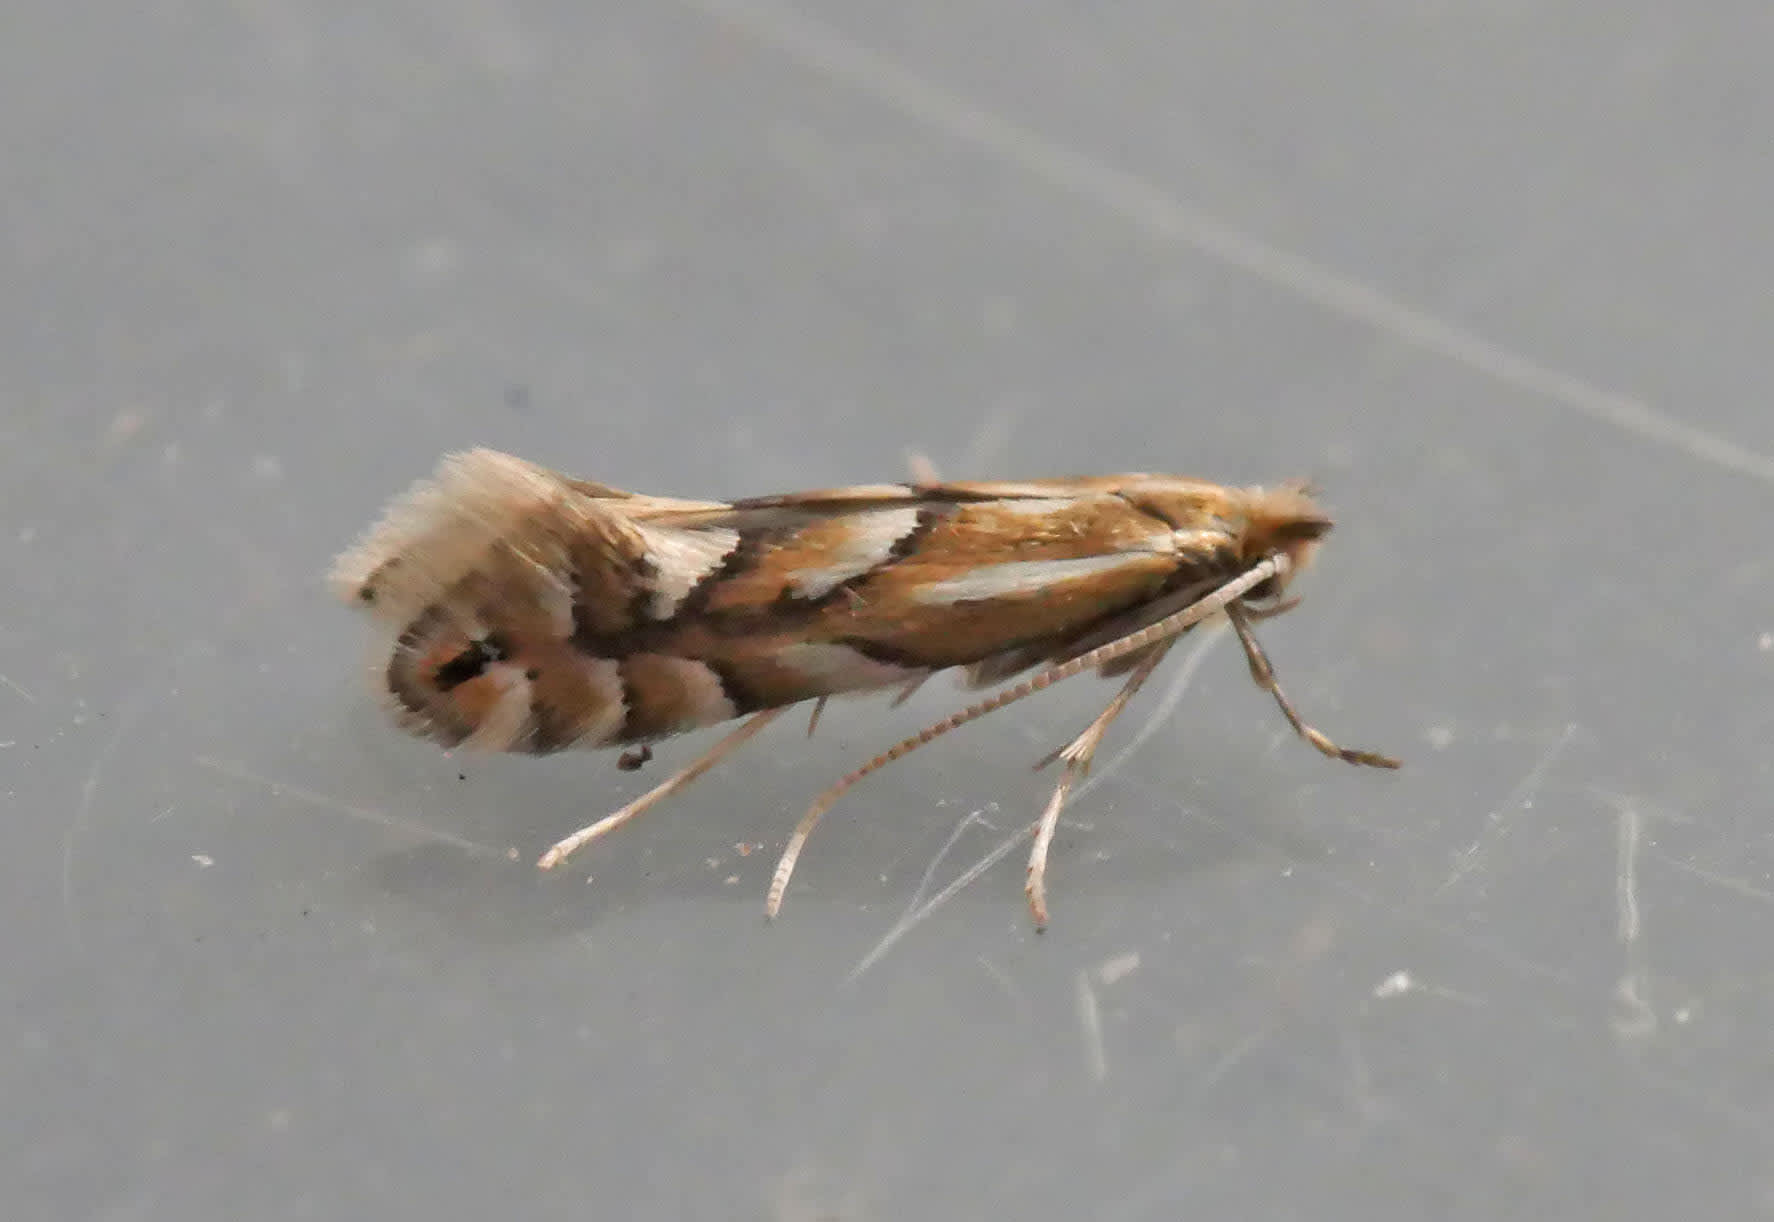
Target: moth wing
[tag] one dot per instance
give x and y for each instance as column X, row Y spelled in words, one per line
column 486, row 573
column 824, row 503
column 478, row 505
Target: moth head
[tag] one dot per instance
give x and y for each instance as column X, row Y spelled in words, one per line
column 1281, row 521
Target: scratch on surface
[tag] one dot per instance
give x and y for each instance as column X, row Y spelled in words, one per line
column 89, row 788
column 1520, row 798
column 146, row 695
column 1401, row 983
column 1090, row 1021
column 1018, row 998
column 1741, row 886
column 1118, row 967
column 1359, row 1084
column 916, row 913
column 929, row 875
column 1627, row 833
column 1411, row 915
column 18, row 687
column 1633, row 1017
column 1233, row 1057
column 366, row 814
column 1396, row 985
column 1169, row 220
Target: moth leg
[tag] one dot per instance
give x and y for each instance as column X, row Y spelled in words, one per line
column 1256, row 614
column 708, row 759
column 1263, row 675
column 1167, row 628
column 813, row 719
column 1077, row 756
column 912, row 685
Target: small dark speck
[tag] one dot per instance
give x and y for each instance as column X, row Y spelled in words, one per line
column 461, row 776
column 532, row 674
column 366, row 595
column 517, row 398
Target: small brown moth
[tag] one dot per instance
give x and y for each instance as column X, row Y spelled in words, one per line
column 533, row 612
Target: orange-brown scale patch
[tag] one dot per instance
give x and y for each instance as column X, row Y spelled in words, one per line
column 667, row 695
column 890, row 613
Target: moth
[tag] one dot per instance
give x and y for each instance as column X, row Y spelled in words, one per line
column 527, row 611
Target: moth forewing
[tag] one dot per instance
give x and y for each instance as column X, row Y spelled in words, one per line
column 532, row 612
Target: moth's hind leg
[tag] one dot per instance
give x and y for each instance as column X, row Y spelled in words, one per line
column 701, row 764
column 1263, row 675
column 1077, row 755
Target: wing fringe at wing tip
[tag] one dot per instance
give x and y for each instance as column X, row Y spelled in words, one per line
column 472, row 498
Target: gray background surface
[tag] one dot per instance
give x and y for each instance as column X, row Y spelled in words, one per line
column 1496, row 275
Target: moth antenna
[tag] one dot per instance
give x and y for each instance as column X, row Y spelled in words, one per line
column 1207, row 605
